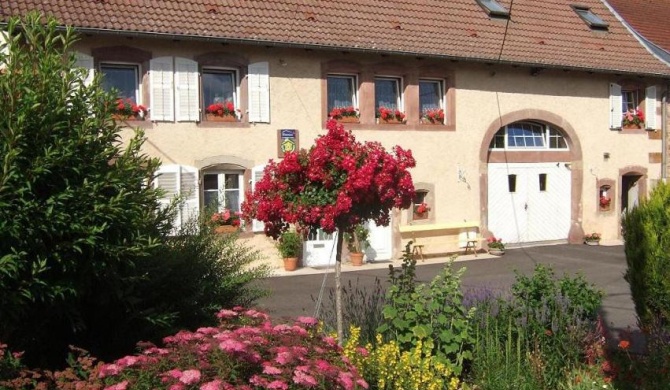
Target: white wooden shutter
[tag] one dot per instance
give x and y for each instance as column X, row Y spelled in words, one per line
column 4, row 49
column 186, row 80
column 650, row 108
column 259, row 92
column 256, row 176
column 161, row 90
column 177, row 180
column 189, row 189
column 167, row 179
column 616, row 103
column 85, row 61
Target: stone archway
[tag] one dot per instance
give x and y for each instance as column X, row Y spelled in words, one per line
column 572, row 159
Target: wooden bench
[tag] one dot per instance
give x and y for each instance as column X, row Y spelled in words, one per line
column 468, row 234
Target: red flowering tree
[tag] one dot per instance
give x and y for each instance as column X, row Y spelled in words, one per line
column 335, row 185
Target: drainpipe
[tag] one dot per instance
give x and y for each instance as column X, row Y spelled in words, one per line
column 664, row 136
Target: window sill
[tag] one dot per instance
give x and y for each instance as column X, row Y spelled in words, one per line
column 622, row 130
column 398, row 127
column 142, row 123
column 215, row 124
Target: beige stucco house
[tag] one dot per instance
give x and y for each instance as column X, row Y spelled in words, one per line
column 531, row 147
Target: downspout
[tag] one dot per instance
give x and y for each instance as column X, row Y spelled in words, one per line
column 664, row 136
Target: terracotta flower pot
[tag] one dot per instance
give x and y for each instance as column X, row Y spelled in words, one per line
column 216, row 118
column 356, row 259
column 348, row 119
column 290, row 263
column 225, row 229
column 391, row 121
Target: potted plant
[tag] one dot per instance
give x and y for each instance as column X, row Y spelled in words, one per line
column 221, row 112
column 496, row 246
column 433, row 117
column 387, row 115
column 344, row 114
column 226, row 221
column 357, row 241
column 421, row 211
column 632, row 119
column 290, row 246
column 127, row 109
column 605, row 202
column 592, row 239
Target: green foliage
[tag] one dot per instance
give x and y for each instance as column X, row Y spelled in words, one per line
column 433, row 314
column 535, row 337
column 76, row 209
column 85, row 252
column 647, row 247
column 362, row 308
column 289, row 244
column 357, row 240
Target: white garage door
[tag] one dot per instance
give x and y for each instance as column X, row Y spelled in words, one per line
column 529, row 201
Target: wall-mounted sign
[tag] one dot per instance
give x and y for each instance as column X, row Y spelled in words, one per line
column 287, row 141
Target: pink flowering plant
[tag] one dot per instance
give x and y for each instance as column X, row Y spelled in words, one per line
column 434, row 116
column 246, row 351
column 128, row 108
column 341, row 112
column 226, row 217
column 388, row 114
column 222, row 109
column 495, row 243
column 633, row 118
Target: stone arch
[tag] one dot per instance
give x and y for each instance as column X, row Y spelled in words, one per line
column 573, row 157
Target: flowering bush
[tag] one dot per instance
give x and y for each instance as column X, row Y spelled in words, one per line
column 631, row 117
column 389, row 114
column 221, row 109
column 226, row 217
column 434, row 116
column 339, row 112
column 592, row 237
column 128, row 108
column 337, row 184
column 605, row 201
column 495, row 243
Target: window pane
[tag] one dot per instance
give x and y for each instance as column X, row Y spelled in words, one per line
column 386, row 93
column 430, row 95
column 232, row 181
column 629, row 100
column 340, row 92
column 211, row 182
column 511, row 183
column 233, row 200
column 122, row 79
column 556, row 140
column 543, row 181
column 217, row 87
column 212, row 200
column 525, row 135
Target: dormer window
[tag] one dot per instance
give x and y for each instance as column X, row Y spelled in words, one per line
column 592, row 20
column 494, row 9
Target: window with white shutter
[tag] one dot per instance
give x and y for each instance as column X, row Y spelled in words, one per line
column 187, row 97
column 616, row 104
column 256, row 176
column 176, row 180
column 161, row 90
column 85, row 61
column 650, row 108
column 259, row 92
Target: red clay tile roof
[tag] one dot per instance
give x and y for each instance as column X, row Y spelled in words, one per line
column 648, row 17
column 545, row 33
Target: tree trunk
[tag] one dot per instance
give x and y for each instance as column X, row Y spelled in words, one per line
column 338, row 287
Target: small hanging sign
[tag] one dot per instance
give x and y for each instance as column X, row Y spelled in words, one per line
column 287, row 140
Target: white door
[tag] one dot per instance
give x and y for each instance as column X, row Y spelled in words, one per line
column 529, row 201
column 319, row 249
column 380, row 243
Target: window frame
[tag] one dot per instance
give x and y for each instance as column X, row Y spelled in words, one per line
column 592, row 20
column 399, row 91
column 221, row 189
column 119, row 65
column 353, row 78
column 442, row 104
column 236, row 89
column 547, row 139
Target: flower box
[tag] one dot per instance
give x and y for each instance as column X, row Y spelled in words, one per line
column 225, row 229
column 425, row 121
column 390, row 121
column 122, row 117
column 631, row 127
column 218, row 118
column 348, row 119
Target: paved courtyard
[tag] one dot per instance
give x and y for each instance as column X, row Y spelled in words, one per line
column 294, row 293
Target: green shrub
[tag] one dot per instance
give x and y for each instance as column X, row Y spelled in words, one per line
column 289, row 244
column 431, row 313
column 535, row 337
column 647, row 246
